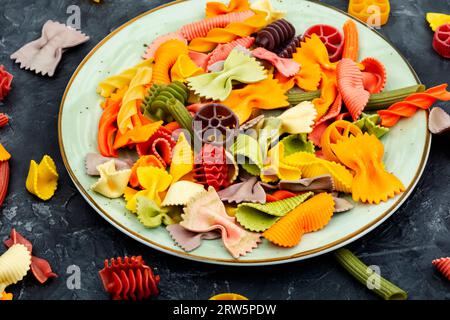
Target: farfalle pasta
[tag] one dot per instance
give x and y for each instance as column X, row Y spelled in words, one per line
column 42, row 179
column 218, row 8
column 14, row 265
column 182, row 159
column 112, row 182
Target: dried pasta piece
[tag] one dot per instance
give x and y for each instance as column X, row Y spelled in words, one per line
column 279, row 195
column 254, row 96
column 332, row 113
column 154, row 181
column 182, row 159
column 14, row 265
column 218, row 85
column 311, row 166
column 296, row 143
column 108, row 86
column 437, row 19
column 351, row 86
column 232, row 31
column 3, row 118
column 441, row 41
column 211, row 167
column 331, row 38
column 6, row 296
column 328, row 96
column 181, row 192
column 269, row 131
column 299, row 119
column 374, row 13
column 351, row 41
column 364, row 155
column 112, row 183
column 44, row 54
column 323, row 183
column 313, row 51
column 374, row 75
column 246, row 191
column 92, row 160
column 308, row 78
column 310, row 216
column 222, row 51
column 266, row 7
column 287, row 67
column 206, row 213
column 342, row 205
column 184, row 68
column 151, row 48
column 107, row 128
column 408, row 107
column 4, row 154
column 337, row 131
column 135, row 93
column 150, row 214
column 144, row 161
column 369, row 123
column 202, row 28
column 165, row 57
column 260, row 217
column 275, row 168
column 443, row 265
column 160, row 145
column 438, row 122
column 218, row 8
column 189, row 240
column 5, row 82
column 139, row 134
column 4, row 180
column 42, row 179
column 247, row 151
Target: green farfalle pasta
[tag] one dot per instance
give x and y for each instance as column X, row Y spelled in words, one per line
column 269, row 130
column 248, row 154
column 369, row 123
column 218, row 85
column 297, row 143
column 155, row 102
column 259, row 217
column 150, row 214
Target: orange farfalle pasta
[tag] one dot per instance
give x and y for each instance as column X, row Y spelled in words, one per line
column 408, row 107
column 165, row 57
column 308, row 78
column 218, row 8
column 328, row 96
column 184, row 68
column 364, row 155
column 313, row 51
column 4, row 154
column 138, row 134
column 309, row 216
column 229, row 33
column 254, row 96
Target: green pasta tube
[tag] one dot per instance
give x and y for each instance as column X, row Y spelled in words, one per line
column 363, row 274
column 295, row 97
column 180, row 114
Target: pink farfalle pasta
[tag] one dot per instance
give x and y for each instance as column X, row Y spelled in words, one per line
column 188, row 240
column 287, row 67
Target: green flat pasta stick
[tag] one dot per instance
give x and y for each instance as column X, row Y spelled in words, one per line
column 386, row 289
column 295, row 97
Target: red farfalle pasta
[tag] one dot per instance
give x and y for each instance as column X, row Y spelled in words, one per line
column 40, row 268
column 5, row 82
column 351, row 86
column 374, row 75
column 211, row 168
column 443, row 265
column 160, row 144
column 201, row 28
column 222, row 51
column 3, row 120
column 129, row 279
column 408, row 107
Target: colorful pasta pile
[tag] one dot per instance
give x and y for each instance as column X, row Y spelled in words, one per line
column 246, row 129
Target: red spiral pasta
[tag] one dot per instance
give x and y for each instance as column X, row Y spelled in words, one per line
column 129, row 278
column 443, row 265
column 211, row 167
column 3, row 120
column 160, row 144
column 201, row 28
column 408, row 107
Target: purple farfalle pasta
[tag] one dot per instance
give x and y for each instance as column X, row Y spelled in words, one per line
column 246, row 191
column 188, row 240
column 342, row 205
column 276, row 35
column 322, row 183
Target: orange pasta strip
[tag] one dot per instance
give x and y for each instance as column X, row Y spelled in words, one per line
column 408, row 107
column 309, row 216
column 364, row 155
column 107, row 127
column 229, row 33
column 218, row 8
column 144, row 161
column 165, row 57
column 328, row 96
column 351, row 40
column 138, row 134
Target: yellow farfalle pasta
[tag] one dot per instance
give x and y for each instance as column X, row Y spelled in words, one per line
column 231, row 32
column 266, row 7
column 254, row 96
column 181, row 192
column 4, row 154
column 298, row 119
column 14, row 265
column 42, row 179
column 276, row 168
column 184, row 68
column 312, row 166
column 112, row 183
column 108, row 86
column 135, row 93
column 313, row 51
column 364, row 155
column 154, row 181
column 182, row 159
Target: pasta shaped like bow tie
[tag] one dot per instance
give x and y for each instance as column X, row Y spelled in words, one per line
column 43, row 55
column 218, row 85
column 287, row 67
column 207, row 213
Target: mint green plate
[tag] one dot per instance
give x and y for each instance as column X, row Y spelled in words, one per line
column 407, row 145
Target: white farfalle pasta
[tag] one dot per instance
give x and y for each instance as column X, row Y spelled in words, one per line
column 14, row 265
column 299, row 119
column 112, row 183
column 181, row 192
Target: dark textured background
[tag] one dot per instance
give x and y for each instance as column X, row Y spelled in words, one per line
column 67, row 231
